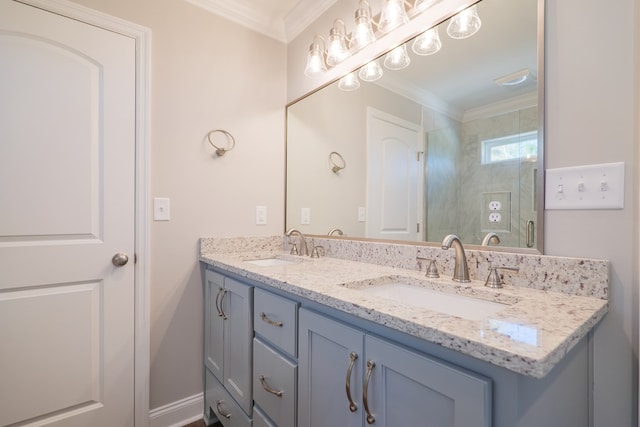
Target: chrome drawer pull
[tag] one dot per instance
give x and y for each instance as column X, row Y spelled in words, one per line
column 222, row 314
column 227, row 416
column 365, row 401
column 265, row 319
column 352, row 406
column 220, row 290
column 268, row 389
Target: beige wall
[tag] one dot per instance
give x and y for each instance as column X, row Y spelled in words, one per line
column 207, row 73
column 590, row 116
column 334, row 120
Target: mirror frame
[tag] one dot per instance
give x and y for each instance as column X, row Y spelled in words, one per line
column 439, row 13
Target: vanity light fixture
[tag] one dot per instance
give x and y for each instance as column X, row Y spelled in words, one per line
column 427, row 43
column 337, row 50
column 349, row 82
column 392, row 16
column 315, row 59
column 398, row 58
column 464, row 24
column 363, row 33
column 371, row 71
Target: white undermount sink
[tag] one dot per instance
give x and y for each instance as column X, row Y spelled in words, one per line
column 269, row 261
column 416, row 293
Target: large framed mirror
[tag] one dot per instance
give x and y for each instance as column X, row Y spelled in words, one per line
column 453, row 143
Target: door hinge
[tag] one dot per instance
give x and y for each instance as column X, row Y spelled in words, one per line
column 417, row 227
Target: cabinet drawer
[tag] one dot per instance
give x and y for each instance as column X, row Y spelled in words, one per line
column 223, row 405
column 275, row 319
column 260, row 419
column 274, row 384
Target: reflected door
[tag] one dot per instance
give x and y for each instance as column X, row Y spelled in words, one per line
column 67, row 145
column 394, row 184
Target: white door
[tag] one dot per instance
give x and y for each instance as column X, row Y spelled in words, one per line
column 394, row 178
column 67, row 151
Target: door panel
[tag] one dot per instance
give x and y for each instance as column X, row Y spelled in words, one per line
column 67, row 152
column 393, row 178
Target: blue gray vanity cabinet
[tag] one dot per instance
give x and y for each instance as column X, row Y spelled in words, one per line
column 347, row 376
column 228, row 344
column 275, row 366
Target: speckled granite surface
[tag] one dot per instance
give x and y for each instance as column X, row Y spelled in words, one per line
column 549, row 305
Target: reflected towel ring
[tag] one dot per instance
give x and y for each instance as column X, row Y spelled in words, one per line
column 230, row 139
column 337, row 161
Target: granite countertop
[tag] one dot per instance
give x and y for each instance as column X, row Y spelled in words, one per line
column 530, row 335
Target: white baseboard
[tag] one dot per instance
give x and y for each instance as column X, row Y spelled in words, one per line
column 179, row 413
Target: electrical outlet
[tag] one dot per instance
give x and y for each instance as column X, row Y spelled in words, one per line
column 495, row 217
column 495, row 205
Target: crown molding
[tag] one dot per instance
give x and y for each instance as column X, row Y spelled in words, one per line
column 303, row 14
column 241, row 12
column 263, row 19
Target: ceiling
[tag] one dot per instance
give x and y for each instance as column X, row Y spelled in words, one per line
column 282, row 20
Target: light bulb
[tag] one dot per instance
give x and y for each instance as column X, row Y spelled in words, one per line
column 315, row 59
column 464, row 24
column 363, row 33
column 397, row 59
column 427, row 43
column 371, row 72
column 392, row 16
column 337, row 50
column 349, row 82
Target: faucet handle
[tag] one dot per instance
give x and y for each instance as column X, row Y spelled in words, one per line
column 494, row 280
column 294, row 249
column 315, row 252
column 432, row 268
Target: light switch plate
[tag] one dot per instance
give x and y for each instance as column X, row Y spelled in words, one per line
column 161, row 209
column 261, row 215
column 305, row 216
column 585, row 187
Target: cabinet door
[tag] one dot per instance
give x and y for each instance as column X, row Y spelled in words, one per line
column 237, row 307
column 213, row 324
column 409, row 389
column 325, row 348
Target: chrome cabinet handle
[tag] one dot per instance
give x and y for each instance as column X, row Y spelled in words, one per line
column 365, row 400
column 120, row 259
column 220, row 290
column 352, row 357
column 227, row 416
column 221, row 313
column 265, row 319
column 268, row 388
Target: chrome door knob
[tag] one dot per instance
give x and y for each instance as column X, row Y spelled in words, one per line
column 120, row 259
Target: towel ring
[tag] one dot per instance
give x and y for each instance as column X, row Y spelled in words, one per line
column 230, row 139
column 337, row 161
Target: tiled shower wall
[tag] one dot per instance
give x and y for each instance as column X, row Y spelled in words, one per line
column 458, row 182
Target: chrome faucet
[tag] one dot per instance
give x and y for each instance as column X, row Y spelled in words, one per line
column 335, row 231
column 461, row 270
column 304, row 249
column 490, row 238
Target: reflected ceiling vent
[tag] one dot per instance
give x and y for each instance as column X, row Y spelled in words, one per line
column 517, row 79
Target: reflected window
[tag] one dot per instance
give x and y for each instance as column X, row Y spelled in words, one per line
column 522, row 146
